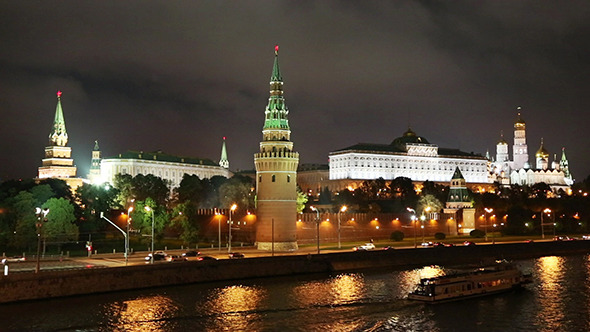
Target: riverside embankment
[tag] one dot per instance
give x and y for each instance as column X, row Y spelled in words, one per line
column 30, row 286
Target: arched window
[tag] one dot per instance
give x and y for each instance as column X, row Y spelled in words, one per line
column 273, row 178
column 259, row 178
column 288, row 178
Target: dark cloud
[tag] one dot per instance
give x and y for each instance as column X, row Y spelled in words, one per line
column 178, row 76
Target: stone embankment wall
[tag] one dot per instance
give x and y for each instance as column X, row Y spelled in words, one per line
column 30, row 286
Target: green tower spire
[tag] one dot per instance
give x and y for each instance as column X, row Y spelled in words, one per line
column 223, row 161
column 58, row 135
column 564, row 164
column 276, row 111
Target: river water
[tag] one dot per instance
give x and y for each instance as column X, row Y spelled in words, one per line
column 558, row 300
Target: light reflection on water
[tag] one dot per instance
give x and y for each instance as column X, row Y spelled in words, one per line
column 557, row 301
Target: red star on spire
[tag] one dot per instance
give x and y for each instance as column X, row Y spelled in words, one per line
column 58, row 94
column 277, row 49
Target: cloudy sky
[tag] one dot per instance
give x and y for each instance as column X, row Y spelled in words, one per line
column 177, row 76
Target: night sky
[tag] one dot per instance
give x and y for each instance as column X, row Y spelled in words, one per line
column 177, row 76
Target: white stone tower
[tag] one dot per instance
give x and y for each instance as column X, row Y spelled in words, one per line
column 520, row 150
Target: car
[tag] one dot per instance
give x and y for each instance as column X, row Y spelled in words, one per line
column 364, row 247
column 191, row 255
column 158, row 256
column 236, row 255
column 206, row 258
column 13, row 259
column 175, row 258
column 388, row 248
column 427, row 244
column 529, row 241
column 468, row 243
column 585, row 237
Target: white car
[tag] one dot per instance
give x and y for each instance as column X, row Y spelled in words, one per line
column 364, row 247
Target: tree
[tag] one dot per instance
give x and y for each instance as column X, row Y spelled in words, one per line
column 60, row 226
column 301, row 200
column 25, row 233
column 402, row 188
column 185, row 217
column 94, row 199
column 239, row 190
column 429, row 201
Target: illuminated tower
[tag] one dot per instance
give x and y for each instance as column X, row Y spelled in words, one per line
column 94, row 175
column 58, row 162
column 502, row 150
column 223, row 162
column 519, row 150
column 542, row 157
column 276, row 173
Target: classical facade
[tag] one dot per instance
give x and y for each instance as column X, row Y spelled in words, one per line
column 519, row 170
column 276, row 174
column 168, row 167
column 58, row 162
column 410, row 156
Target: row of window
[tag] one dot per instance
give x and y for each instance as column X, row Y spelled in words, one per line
column 274, row 178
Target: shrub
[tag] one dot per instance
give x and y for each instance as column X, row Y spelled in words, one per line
column 397, row 236
column 440, row 236
column 477, row 233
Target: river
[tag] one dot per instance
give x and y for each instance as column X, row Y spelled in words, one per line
column 558, row 300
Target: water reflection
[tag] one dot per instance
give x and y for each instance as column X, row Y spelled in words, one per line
column 551, row 292
column 344, row 288
column 150, row 313
column 233, row 306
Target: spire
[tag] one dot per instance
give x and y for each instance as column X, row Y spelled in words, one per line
column 519, row 124
column 564, row 164
column 223, row 162
column 458, row 174
column 58, row 136
column 276, row 111
column 96, row 148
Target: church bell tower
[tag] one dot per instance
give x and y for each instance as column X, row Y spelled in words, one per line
column 276, row 174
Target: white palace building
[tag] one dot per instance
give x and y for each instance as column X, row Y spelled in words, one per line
column 410, row 156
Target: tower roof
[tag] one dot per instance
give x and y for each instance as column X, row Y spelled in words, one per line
column 408, row 137
column 96, row 148
column 542, row 152
column 276, row 110
column 502, row 141
column 223, row 161
column 457, row 174
column 519, row 123
column 58, row 135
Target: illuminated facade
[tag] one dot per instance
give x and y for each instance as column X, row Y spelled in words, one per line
column 410, row 156
column 168, row 167
column 58, row 162
column 519, row 171
column 94, row 174
column 276, row 174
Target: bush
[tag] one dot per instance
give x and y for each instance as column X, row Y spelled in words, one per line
column 397, row 236
column 440, row 236
column 478, row 233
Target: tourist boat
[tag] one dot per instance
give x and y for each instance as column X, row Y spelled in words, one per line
column 501, row 277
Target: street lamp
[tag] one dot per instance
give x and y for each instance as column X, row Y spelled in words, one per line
column 414, row 221
column 148, row 209
column 422, row 218
column 342, row 209
column 547, row 210
column 127, row 238
column 219, row 232
column 488, row 211
column 41, row 217
column 317, row 221
column 232, row 209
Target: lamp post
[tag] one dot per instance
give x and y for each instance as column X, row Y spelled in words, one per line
column 547, row 210
column 317, row 221
column 148, row 209
column 488, row 211
column 232, row 209
column 494, row 234
column 342, row 209
column 414, row 222
column 41, row 218
column 127, row 238
column 219, row 231
column 422, row 218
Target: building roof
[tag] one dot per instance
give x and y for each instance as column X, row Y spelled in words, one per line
column 160, row 156
column 389, row 148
